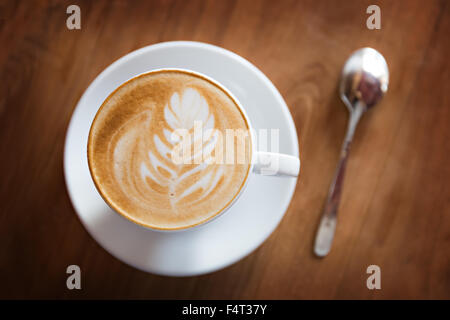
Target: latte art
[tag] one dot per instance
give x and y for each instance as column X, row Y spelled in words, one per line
column 138, row 130
column 152, row 169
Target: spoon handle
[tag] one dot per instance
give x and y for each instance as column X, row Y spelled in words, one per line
column 327, row 226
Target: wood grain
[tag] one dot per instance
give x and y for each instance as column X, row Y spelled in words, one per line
column 395, row 210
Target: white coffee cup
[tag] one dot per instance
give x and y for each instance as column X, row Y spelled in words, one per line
column 262, row 162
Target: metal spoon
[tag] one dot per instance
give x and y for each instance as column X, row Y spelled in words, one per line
column 364, row 81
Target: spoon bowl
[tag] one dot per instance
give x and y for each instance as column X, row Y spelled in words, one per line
column 364, row 79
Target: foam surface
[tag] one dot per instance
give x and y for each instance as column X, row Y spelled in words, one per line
column 137, row 131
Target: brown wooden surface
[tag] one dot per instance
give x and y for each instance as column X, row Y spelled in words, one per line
column 395, row 210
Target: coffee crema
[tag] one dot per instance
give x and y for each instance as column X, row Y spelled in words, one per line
column 131, row 143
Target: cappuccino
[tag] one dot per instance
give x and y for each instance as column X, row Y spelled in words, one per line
column 138, row 130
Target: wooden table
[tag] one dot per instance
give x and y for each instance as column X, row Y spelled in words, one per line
column 395, row 210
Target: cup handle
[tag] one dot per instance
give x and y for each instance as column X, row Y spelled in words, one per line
column 276, row 164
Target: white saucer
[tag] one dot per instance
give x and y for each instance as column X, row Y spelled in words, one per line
column 224, row 240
